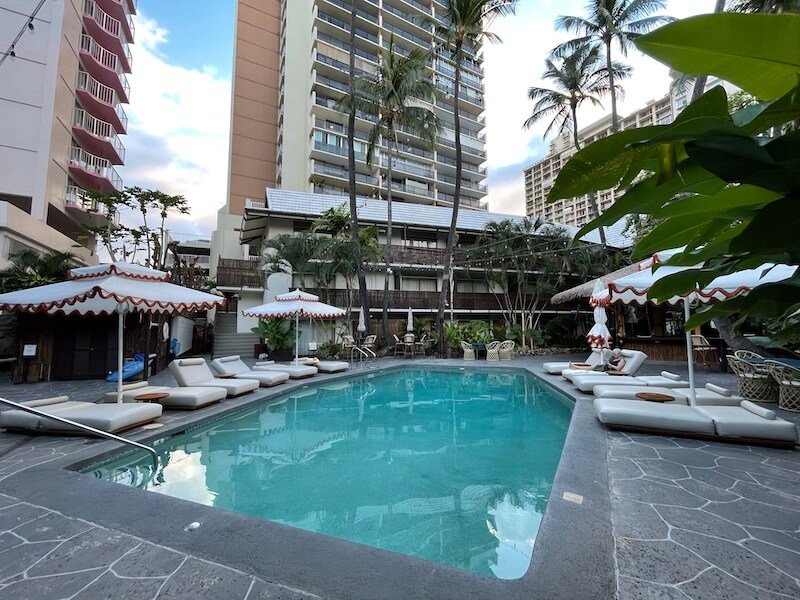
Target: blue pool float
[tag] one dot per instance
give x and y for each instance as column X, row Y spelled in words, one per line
column 129, row 369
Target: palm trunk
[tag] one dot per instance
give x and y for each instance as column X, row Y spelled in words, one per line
column 386, row 333
column 609, row 68
column 351, row 167
column 700, row 83
column 593, row 206
column 451, row 236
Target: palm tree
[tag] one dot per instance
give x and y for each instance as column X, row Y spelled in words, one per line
column 579, row 78
column 610, row 21
column 765, row 6
column 351, row 165
column 29, row 269
column 463, row 22
column 395, row 96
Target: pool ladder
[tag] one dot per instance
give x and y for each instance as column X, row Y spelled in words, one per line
column 86, row 428
column 363, row 353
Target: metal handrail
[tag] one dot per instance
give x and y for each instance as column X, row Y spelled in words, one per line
column 99, row 432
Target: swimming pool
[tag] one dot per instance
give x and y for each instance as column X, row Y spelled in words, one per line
column 454, row 466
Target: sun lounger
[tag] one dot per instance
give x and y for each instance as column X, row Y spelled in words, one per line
column 681, row 395
column 747, row 423
column 326, row 366
column 180, row 398
column 194, row 372
column 105, row 417
column 234, row 365
column 588, row 381
column 294, row 371
column 634, row 359
column 556, row 368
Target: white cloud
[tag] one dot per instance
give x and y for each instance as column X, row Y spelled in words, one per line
column 516, row 64
column 178, row 132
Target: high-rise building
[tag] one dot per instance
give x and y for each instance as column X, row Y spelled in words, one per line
column 290, row 69
column 62, row 87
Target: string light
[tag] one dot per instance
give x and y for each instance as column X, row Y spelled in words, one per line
column 11, row 53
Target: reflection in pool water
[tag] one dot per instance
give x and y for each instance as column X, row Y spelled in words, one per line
column 448, row 465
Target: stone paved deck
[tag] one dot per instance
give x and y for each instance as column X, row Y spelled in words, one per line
column 690, row 519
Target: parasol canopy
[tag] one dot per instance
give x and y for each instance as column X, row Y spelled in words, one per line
column 599, row 336
column 410, row 326
column 111, row 288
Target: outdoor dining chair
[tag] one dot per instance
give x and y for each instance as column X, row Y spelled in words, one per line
column 493, row 351
column 747, row 354
column 506, row 350
column 755, row 381
column 409, row 342
column 702, row 349
column 469, row 351
column 788, row 380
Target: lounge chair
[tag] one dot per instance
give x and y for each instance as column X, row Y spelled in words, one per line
column 110, row 418
column 234, row 365
column 746, row 423
column 710, row 395
column 180, row 398
column 295, row 371
column 194, row 372
column 556, row 368
column 634, row 359
column 587, row 382
column 326, row 366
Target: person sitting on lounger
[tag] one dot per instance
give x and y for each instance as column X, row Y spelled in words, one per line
column 615, row 364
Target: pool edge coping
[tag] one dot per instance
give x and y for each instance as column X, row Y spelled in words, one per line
column 573, row 537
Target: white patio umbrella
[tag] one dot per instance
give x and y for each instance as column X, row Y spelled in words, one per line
column 599, row 336
column 295, row 304
column 410, row 326
column 111, row 288
column 362, row 325
column 634, row 288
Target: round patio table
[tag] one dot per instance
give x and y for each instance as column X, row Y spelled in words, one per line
column 653, row 397
column 151, row 397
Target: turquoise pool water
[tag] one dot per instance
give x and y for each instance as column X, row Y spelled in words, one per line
column 448, row 465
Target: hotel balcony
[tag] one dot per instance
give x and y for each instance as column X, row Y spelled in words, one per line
column 419, row 301
column 86, row 211
column 101, row 100
column 236, row 273
column 121, row 10
column 93, row 172
column 109, row 31
column 104, row 66
column 97, row 136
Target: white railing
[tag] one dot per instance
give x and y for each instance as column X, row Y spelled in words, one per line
column 106, row 58
column 98, row 128
column 250, row 203
column 103, row 93
column 95, row 164
column 79, row 198
column 108, row 24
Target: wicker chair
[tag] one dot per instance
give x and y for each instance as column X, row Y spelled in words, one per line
column 788, row 380
column 369, row 342
column 419, row 347
column 409, row 340
column 755, row 381
column 745, row 354
column 399, row 347
column 507, row 350
column 469, row 351
column 493, row 351
column 703, row 350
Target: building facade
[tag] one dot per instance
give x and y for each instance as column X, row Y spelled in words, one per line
column 62, row 117
column 418, row 256
column 292, row 67
column 541, row 176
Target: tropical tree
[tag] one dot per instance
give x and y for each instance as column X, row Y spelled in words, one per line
column 351, row 163
column 717, row 186
column 765, row 6
column 293, row 254
column 29, row 268
column 396, row 96
column 608, row 22
column 578, row 78
column 463, row 23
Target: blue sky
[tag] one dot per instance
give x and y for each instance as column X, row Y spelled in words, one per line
column 180, row 106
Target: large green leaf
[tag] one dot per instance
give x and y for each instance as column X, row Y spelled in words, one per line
column 774, row 229
column 761, row 117
column 672, row 233
column 706, row 207
column 759, row 53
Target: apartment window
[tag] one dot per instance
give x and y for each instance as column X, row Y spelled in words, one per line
column 421, row 239
column 472, row 287
column 418, row 284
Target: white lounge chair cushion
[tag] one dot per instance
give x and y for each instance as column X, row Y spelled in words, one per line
column 652, row 415
column 586, row 383
column 230, row 365
column 628, row 392
column 179, row 397
column 661, row 381
column 265, row 378
column 234, row 365
column 294, row 371
column 735, row 421
column 719, row 389
column 554, row 368
column 671, row 375
column 131, row 390
column 332, row 366
column 105, row 417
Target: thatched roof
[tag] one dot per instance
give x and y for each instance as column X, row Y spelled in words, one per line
column 584, row 290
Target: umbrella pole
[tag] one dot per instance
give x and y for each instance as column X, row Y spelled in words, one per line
column 297, row 338
column 689, row 353
column 120, row 350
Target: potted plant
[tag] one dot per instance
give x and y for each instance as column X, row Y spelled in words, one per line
column 279, row 337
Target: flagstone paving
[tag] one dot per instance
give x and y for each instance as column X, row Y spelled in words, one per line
column 690, row 519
